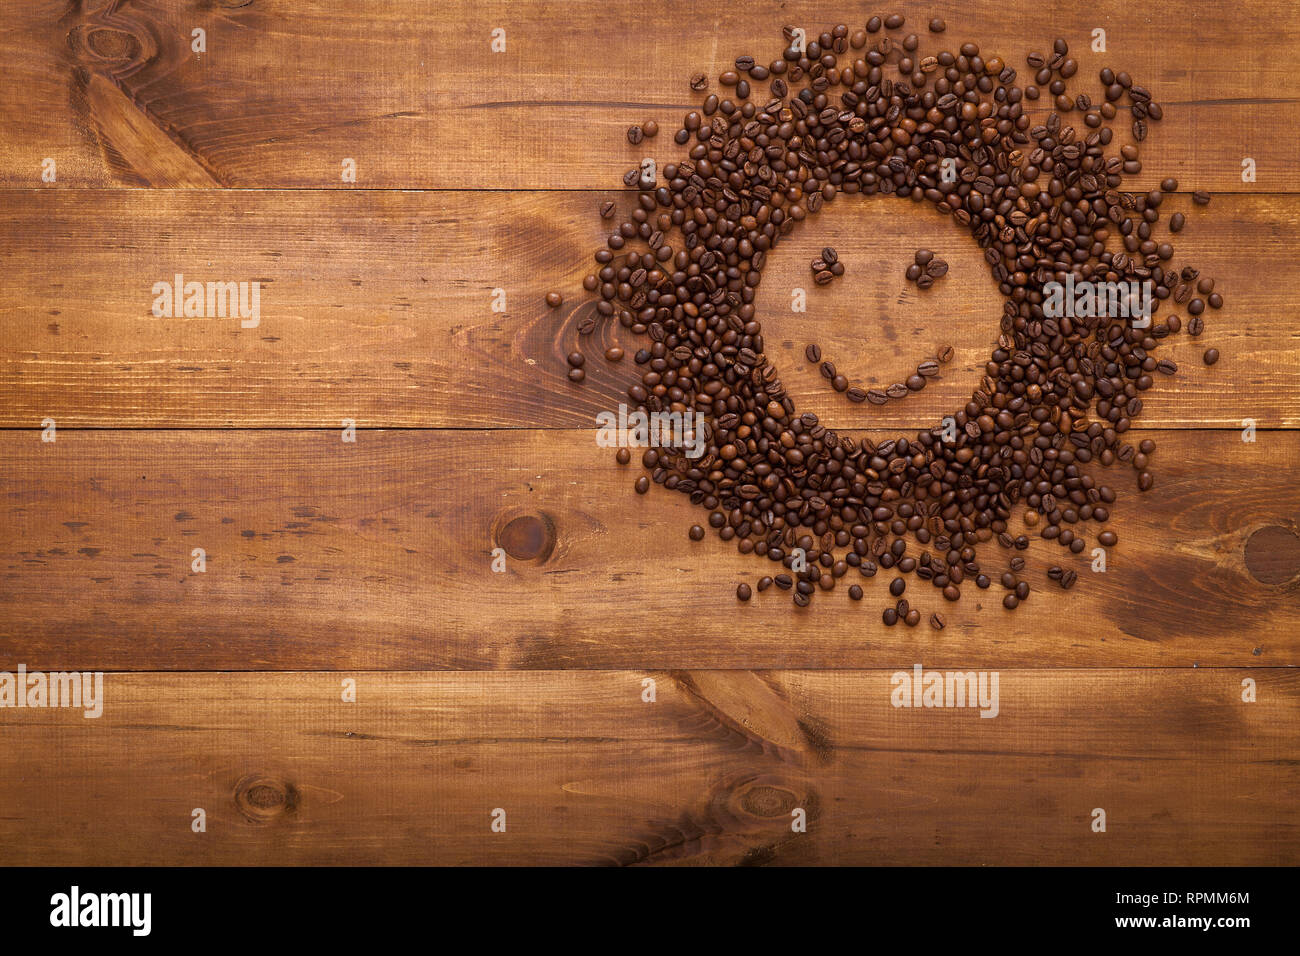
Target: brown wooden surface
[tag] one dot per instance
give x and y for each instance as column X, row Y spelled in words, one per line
column 322, row 554
column 371, row 561
column 589, row 773
column 378, row 307
column 412, row 93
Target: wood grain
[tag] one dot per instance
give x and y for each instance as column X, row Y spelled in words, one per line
column 378, row 554
column 377, row 307
column 588, row 772
column 287, row 90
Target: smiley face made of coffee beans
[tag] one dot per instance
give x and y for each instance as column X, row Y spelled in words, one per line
column 868, row 111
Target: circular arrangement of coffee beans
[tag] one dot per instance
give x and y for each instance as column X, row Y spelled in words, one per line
column 864, row 111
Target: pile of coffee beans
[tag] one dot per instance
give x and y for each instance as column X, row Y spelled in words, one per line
column 926, row 269
column 827, row 267
column 866, row 111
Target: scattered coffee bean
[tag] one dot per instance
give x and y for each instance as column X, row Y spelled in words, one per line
column 744, row 592
column 554, row 300
column 1211, row 356
column 614, row 354
column 1201, row 198
column 855, row 592
column 938, row 621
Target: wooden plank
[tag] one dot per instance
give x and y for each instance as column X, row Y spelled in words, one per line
column 588, row 772
column 285, row 91
column 322, row 555
column 377, row 307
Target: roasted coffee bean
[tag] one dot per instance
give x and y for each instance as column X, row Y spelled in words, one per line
column 614, row 353
column 744, row 592
column 1043, row 200
column 938, row 621
column 635, row 134
column 855, row 592
column 1201, row 198
column 938, row 26
column 1211, row 356
column 554, row 300
column 699, row 82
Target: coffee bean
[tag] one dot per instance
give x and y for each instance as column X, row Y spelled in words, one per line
column 1201, row 198
column 1055, row 397
column 897, row 586
column 938, row 26
column 576, row 375
column 614, row 353
column 635, row 134
column 696, row 533
column 855, row 592
column 1211, row 356
column 744, row 592
column 554, row 300
column 699, row 81
column 642, row 485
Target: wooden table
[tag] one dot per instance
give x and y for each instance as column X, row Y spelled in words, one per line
column 528, row 691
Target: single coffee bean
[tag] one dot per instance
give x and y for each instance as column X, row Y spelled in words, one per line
column 945, row 354
column 1201, row 198
column 1211, row 356
column 577, row 359
column 554, row 300
column 813, row 353
column 1195, row 325
column 855, row 592
column 623, row 456
column 938, row 621
column 744, row 592
column 576, row 375
column 642, row 485
column 635, row 134
column 614, row 353
column 938, row 26
column 897, row 586
column 696, row 533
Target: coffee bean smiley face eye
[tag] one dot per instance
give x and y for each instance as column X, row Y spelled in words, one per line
column 847, row 114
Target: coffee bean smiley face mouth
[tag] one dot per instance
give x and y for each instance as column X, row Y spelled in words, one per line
column 1074, row 257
